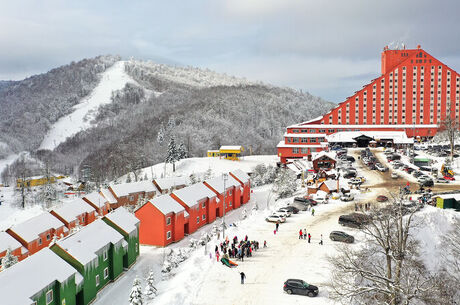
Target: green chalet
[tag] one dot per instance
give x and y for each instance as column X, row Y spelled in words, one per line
column 127, row 225
column 41, row 279
column 96, row 251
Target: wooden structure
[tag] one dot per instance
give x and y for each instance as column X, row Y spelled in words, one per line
column 231, row 152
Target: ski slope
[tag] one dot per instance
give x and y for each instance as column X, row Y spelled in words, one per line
column 114, row 78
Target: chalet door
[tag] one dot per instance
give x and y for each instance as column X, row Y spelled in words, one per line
column 186, row 230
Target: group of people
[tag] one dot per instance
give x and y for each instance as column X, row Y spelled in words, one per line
column 359, row 207
column 237, row 249
column 307, row 236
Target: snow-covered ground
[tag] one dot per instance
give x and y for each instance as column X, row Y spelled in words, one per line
column 114, row 78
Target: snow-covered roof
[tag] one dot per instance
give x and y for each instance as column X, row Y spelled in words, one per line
column 449, row 196
column 190, row 195
column 240, row 175
column 304, row 135
column 398, row 137
column 25, row 279
column 217, row 183
column 97, row 199
column 331, row 184
column 84, row 244
column 109, row 196
column 7, row 241
column 70, row 210
column 282, row 144
column 166, row 204
column 29, row 229
column 231, row 147
column 123, row 219
column 125, row 189
column 170, row 182
column 323, row 153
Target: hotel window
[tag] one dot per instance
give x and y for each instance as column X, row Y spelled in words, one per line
column 39, row 241
column 295, row 140
column 313, row 140
column 48, row 237
column 304, row 151
column 295, row 150
column 304, row 140
column 168, row 235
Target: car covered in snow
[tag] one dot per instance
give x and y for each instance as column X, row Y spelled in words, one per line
column 295, row 286
column 441, row 180
column 321, row 199
column 380, row 167
column 290, row 208
column 283, row 213
column 394, row 175
column 341, row 236
column 355, row 181
column 347, row 197
column 275, row 218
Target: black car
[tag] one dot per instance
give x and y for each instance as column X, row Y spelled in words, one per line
column 427, row 183
column 349, row 174
column 295, row 286
column 353, row 220
column 291, row 209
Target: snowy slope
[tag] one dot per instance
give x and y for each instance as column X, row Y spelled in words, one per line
column 112, row 79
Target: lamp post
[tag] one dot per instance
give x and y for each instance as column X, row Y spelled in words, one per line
column 224, row 178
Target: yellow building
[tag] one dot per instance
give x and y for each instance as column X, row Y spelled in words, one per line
column 213, row 153
column 231, row 152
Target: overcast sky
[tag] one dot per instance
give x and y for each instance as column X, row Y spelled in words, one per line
column 329, row 48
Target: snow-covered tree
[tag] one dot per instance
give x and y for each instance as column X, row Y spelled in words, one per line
column 150, row 291
column 128, row 178
column 263, row 175
column 135, row 296
column 173, row 154
column 8, row 260
column 182, row 151
column 244, row 213
column 208, row 174
column 161, row 135
column 285, row 183
column 192, row 178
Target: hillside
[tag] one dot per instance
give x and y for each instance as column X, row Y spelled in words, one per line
column 109, row 118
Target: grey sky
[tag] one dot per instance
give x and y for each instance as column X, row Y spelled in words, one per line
column 329, row 48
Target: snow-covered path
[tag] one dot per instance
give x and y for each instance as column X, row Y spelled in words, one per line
column 114, row 78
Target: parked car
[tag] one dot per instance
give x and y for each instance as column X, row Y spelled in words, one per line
column 306, row 201
column 291, row 209
column 341, row 236
column 353, row 220
column 410, row 170
column 394, row 175
column 295, row 286
column 321, row 199
column 347, row 197
column 382, row 198
column 426, row 183
column 441, row 180
column 300, row 206
column 417, row 174
column 283, row 213
column 349, row 174
column 380, row 167
column 351, row 158
column 275, row 218
column 355, row 181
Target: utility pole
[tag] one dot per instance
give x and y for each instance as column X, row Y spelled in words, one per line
column 224, row 177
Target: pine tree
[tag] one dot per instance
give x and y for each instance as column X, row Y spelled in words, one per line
column 8, row 260
column 173, row 153
column 135, row 296
column 182, row 150
column 208, row 174
column 285, row 183
column 150, row 290
column 193, row 178
column 161, row 135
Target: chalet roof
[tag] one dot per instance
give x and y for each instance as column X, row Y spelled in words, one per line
column 217, row 183
column 97, row 199
column 170, row 182
column 323, row 153
column 125, row 189
column 231, row 147
column 29, row 229
column 330, row 184
column 7, row 241
column 108, row 196
column 25, row 279
column 192, row 194
column 70, row 210
column 123, row 219
column 240, row 175
column 166, row 204
column 84, row 244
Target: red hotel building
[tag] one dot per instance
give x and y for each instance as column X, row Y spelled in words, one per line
column 413, row 94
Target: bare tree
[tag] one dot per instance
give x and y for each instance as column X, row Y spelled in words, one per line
column 450, row 128
column 387, row 268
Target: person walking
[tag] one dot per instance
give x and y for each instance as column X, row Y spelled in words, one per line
column 309, row 237
column 312, row 212
column 277, row 225
column 243, row 276
column 304, row 233
column 265, row 244
column 321, row 240
column 217, row 255
column 300, row 234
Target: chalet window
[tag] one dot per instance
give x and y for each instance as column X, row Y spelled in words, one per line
column 168, row 221
column 198, row 219
column 106, row 273
column 48, row 237
column 289, row 140
column 97, row 262
column 295, row 130
column 83, row 219
column 203, row 217
column 230, row 193
column 49, row 297
column 97, row 280
column 131, row 198
column 168, row 235
column 104, row 255
column 203, row 205
column 39, row 241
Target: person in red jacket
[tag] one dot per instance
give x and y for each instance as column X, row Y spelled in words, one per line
column 300, row 234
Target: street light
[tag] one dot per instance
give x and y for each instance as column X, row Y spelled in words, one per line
column 224, row 177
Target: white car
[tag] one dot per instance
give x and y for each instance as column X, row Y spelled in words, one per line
column 394, row 175
column 275, row 218
column 347, row 197
column 320, row 199
column 355, row 181
column 282, row 213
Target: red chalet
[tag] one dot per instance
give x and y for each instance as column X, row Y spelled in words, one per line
column 98, row 202
column 129, row 193
column 76, row 212
column 38, row 232
column 245, row 182
column 232, row 193
column 413, row 94
column 199, row 202
column 162, row 221
column 8, row 242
